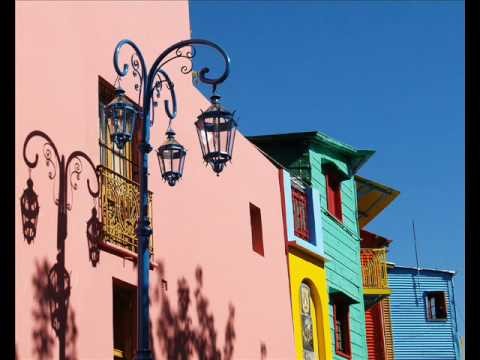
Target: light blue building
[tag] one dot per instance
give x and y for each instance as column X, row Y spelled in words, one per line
column 423, row 314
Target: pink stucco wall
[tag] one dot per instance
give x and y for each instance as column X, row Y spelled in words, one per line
column 61, row 49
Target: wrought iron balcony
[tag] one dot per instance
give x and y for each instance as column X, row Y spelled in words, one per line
column 374, row 270
column 119, row 201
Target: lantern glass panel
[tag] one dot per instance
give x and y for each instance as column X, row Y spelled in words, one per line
column 231, row 139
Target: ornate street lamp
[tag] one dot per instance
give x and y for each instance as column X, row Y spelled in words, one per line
column 216, row 126
column 216, row 131
column 120, row 114
column 171, row 158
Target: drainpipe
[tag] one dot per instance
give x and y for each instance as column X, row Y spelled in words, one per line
column 458, row 350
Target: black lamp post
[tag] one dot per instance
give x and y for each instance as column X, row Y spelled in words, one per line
column 216, row 125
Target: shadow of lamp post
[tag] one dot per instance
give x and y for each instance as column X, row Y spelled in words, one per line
column 58, row 278
column 215, row 129
column 30, row 209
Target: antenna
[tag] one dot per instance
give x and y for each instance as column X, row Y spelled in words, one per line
column 415, row 242
column 415, row 285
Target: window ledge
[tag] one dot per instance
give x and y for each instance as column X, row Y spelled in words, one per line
column 300, row 247
column 346, row 356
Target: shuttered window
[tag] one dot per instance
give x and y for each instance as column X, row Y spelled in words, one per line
column 334, row 194
column 300, row 213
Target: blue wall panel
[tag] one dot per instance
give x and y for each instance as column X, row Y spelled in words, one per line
column 415, row 337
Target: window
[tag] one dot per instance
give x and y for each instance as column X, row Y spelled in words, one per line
column 120, row 191
column 124, row 320
column 309, row 324
column 342, row 328
column 300, row 213
column 334, row 194
column 123, row 162
column 256, row 225
column 436, row 305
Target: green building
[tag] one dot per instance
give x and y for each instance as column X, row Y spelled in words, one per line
column 329, row 166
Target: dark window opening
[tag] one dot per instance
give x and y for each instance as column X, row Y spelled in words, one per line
column 334, row 194
column 436, row 305
column 342, row 328
column 300, row 213
column 256, row 225
column 124, row 320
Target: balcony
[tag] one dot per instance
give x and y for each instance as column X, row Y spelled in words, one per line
column 119, row 202
column 374, row 271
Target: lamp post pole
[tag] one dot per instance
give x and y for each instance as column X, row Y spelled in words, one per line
column 150, row 85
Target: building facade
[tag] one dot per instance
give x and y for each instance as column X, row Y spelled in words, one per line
column 328, row 166
column 211, row 291
column 423, row 314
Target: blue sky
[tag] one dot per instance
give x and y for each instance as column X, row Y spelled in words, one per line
column 380, row 75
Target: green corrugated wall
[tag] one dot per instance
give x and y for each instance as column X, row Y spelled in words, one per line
column 342, row 247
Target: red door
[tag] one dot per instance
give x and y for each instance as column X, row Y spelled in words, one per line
column 375, row 340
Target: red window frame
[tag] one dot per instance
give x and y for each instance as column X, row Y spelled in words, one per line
column 341, row 322
column 334, row 194
column 300, row 213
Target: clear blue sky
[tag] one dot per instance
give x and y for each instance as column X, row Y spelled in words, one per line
column 380, row 75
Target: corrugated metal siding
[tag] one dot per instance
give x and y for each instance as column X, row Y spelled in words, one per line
column 414, row 337
column 342, row 246
column 374, row 328
column 387, row 323
column 370, row 328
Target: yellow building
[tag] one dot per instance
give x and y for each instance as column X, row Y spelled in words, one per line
column 306, row 259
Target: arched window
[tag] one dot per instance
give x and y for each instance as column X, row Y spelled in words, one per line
column 309, row 324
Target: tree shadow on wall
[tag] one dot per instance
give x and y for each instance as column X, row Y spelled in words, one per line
column 179, row 338
column 50, row 318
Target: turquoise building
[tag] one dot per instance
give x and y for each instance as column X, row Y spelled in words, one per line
column 329, row 166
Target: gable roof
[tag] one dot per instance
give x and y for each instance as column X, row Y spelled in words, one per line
column 356, row 157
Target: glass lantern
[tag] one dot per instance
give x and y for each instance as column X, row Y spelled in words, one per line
column 121, row 114
column 216, row 130
column 171, row 158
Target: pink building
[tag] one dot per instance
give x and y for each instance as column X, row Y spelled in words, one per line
column 214, row 290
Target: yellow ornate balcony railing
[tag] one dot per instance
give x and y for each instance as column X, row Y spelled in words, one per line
column 119, row 201
column 374, row 269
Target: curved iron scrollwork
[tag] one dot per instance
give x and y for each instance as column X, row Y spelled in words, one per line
column 148, row 83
